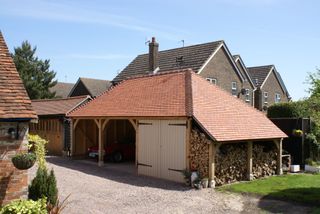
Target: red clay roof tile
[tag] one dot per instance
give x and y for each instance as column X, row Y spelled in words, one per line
column 183, row 94
column 14, row 100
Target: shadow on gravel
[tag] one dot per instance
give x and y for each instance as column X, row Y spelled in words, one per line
column 282, row 201
column 110, row 171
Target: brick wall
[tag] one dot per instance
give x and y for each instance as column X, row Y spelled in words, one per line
column 13, row 182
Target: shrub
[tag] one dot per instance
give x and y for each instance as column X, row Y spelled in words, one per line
column 26, row 207
column 38, row 146
column 286, row 110
column 44, row 185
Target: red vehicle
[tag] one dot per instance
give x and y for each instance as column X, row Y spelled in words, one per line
column 117, row 152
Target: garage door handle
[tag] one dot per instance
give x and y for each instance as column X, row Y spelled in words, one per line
column 142, row 164
column 176, row 170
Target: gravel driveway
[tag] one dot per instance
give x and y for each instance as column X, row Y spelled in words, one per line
column 116, row 188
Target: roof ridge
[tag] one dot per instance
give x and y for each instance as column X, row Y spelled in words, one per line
column 189, row 46
column 58, row 99
column 158, row 74
column 261, row 66
column 94, row 79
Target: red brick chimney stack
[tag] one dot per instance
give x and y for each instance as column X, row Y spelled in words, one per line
column 153, row 55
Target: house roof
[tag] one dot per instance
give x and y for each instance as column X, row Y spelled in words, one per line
column 260, row 73
column 14, row 100
column 51, row 107
column 245, row 72
column 193, row 57
column 62, row 89
column 94, row 86
column 183, row 94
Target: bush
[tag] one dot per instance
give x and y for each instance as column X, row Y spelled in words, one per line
column 44, row 185
column 286, row 110
column 26, row 207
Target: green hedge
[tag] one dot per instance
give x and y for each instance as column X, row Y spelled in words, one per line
column 288, row 110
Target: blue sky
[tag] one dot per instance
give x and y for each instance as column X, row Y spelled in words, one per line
column 99, row 38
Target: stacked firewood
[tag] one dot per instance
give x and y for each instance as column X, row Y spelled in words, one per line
column 199, row 152
column 264, row 160
column 231, row 163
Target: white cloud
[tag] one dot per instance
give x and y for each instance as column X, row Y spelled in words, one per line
column 74, row 13
column 97, row 56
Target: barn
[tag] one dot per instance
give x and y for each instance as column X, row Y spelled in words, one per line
column 177, row 120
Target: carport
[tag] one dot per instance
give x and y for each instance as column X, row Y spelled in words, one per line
column 164, row 109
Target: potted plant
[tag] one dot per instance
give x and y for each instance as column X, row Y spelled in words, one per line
column 205, row 182
column 24, row 161
column 297, row 132
column 187, row 176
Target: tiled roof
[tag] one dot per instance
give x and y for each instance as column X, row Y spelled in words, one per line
column 57, row 106
column 193, row 57
column 62, row 89
column 94, row 86
column 258, row 74
column 14, row 100
column 183, row 94
column 244, row 71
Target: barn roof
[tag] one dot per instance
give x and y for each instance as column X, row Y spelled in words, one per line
column 183, row 94
column 51, row 107
column 14, row 100
column 62, row 89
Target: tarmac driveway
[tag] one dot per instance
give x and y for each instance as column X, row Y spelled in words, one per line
column 115, row 188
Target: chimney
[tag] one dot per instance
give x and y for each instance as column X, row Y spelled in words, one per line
column 153, row 55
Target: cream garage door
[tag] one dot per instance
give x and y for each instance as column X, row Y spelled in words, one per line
column 162, row 148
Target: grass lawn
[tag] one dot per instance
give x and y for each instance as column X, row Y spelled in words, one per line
column 303, row 188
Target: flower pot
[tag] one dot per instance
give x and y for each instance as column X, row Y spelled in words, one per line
column 205, row 182
column 212, row 184
column 24, row 161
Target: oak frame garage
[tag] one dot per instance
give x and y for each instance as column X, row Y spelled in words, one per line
column 165, row 109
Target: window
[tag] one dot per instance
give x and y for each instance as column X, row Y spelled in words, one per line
column 212, row 80
column 277, row 98
column 265, row 95
column 234, row 88
column 247, row 94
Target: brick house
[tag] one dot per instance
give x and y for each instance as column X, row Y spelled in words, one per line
column 270, row 88
column 213, row 61
column 15, row 114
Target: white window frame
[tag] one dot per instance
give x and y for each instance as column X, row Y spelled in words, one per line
column 234, row 88
column 247, row 95
column 212, row 80
column 265, row 97
column 277, row 98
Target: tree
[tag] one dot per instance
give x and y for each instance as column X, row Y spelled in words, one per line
column 35, row 73
column 313, row 80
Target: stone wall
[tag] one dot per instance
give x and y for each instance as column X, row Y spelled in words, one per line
column 13, row 182
column 199, row 152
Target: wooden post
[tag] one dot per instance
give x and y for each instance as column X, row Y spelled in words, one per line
column 213, row 148
column 249, row 161
column 137, row 142
column 100, row 162
column 279, row 156
column 74, row 123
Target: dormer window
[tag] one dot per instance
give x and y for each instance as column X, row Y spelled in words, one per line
column 234, row 88
column 212, row 80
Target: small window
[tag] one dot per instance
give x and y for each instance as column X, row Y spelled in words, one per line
column 277, row 98
column 265, row 95
column 212, row 80
column 234, row 88
column 247, row 95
